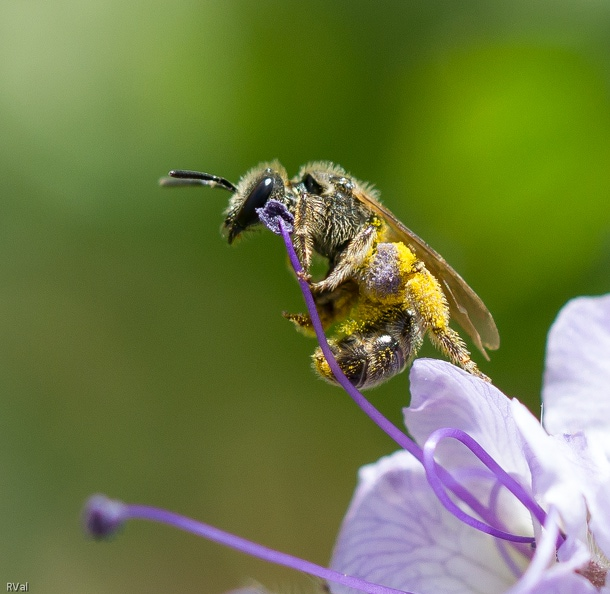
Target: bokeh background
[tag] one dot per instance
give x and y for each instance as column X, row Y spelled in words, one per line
column 144, row 358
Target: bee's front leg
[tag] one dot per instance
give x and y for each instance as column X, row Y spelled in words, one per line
column 302, row 237
column 350, row 259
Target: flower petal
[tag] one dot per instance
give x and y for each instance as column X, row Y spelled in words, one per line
column 546, row 576
column 562, row 472
column 600, row 524
column 396, row 533
column 443, row 395
column 576, row 391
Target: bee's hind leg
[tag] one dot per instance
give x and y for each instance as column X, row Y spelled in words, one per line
column 428, row 300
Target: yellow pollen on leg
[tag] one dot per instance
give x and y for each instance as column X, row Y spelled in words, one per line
column 431, row 304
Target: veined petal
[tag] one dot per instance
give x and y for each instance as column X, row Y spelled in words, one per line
column 563, row 474
column 396, row 533
column 444, row 396
column 576, row 396
column 576, row 391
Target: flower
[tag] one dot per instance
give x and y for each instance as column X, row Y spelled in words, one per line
column 397, row 532
column 540, row 499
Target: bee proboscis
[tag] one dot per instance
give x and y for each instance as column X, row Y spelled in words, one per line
column 384, row 289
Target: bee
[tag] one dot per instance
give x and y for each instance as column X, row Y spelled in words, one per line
column 384, row 290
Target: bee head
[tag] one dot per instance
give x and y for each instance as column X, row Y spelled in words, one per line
column 253, row 190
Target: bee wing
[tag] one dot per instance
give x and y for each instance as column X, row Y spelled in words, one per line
column 465, row 306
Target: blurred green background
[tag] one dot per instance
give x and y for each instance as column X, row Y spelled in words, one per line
column 144, row 358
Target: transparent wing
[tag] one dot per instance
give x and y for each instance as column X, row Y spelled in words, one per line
column 465, row 306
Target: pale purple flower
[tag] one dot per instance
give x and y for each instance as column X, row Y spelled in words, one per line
column 485, row 499
column 397, row 532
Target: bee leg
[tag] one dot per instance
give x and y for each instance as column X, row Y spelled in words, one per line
column 301, row 321
column 427, row 299
column 302, row 237
column 450, row 343
column 332, row 306
column 350, row 259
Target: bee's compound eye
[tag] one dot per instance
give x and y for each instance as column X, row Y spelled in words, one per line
column 313, row 187
column 256, row 199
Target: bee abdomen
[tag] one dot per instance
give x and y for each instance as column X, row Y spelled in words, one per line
column 378, row 352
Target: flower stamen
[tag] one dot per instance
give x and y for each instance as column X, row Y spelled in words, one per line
column 104, row 516
column 500, row 474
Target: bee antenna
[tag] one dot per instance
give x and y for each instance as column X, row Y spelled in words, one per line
column 184, row 177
